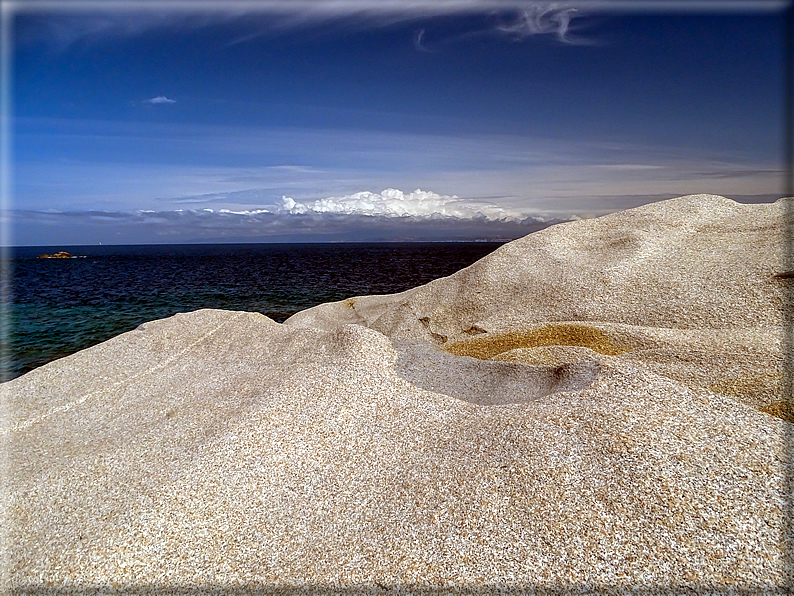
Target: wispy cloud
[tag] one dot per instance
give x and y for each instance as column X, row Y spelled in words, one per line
column 89, row 21
column 252, row 196
column 253, row 168
column 628, row 167
column 543, row 19
column 160, row 99
column 296, row 169
column 419, row 37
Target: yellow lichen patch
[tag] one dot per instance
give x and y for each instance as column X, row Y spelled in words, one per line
column 782, row 409
column 563, row 334
column 547, row 355
column 760, row 390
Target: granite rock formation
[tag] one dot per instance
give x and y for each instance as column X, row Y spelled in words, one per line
column 585, row 409
column 692, row 288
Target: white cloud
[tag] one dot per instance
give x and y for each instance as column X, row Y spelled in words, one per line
column 154, row 9
column 95, row 20
column 392, row 202
column 160, row 99
column 225, row 225
column 495, row 175
column 540, row 19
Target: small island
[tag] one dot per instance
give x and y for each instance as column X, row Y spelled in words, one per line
column 58, row 255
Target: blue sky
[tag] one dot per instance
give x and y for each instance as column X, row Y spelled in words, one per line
column 313, row 120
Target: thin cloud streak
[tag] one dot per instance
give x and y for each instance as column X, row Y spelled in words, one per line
column 249, row 167
column 94, row 20
column 337, row 7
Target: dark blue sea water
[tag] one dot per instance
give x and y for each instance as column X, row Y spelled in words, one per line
column 61, row 306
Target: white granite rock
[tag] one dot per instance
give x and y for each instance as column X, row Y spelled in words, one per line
column 539, row 420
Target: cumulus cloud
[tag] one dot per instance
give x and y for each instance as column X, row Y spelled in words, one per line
column 392, row 202
column 346, row 221
column 160, row 99
column 259, row 225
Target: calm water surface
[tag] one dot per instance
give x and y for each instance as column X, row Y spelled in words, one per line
column 60, row 306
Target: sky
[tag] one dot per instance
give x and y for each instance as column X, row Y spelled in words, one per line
column 166, row 121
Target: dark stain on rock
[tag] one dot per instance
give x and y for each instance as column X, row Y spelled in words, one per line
column 440, row 338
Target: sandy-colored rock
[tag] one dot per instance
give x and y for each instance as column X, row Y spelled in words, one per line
column 692, row 288
column 58, row 255
column 546, row 444
column 697, row 262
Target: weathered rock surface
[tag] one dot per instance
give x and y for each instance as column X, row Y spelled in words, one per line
column 577, row 411
column 692, row 288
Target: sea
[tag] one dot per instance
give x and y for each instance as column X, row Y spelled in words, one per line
column 56, row 307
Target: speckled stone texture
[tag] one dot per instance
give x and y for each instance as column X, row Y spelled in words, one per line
column 586, row 410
